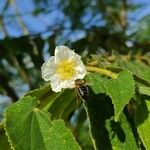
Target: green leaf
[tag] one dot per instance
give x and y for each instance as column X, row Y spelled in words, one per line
column 144, row 90
column 142, row 121
column 99, row 108
column 138, row 68
column 60, row 105
column 64, row 104
column 31, row 128
column 82, row 130
column 44, row 95
column 4, row 144
column 121, row 135
column 40, row 93
column 106, row 133
column 97, row 83
column 120, row 90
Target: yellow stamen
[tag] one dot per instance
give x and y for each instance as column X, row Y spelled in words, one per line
column 66, row 69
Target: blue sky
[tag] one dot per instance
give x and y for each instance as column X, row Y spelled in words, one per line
column 41, row 22
column 35, row 24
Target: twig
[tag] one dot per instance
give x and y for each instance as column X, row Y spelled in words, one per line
column 102, row 71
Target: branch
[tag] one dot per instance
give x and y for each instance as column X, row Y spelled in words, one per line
column 9, row 90
column 3, row 28
column 102, row 71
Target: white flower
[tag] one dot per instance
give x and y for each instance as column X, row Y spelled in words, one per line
column 63, row 69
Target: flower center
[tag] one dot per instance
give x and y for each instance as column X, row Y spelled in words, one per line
column 66, row 69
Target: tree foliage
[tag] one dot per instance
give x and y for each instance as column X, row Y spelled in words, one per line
column 116, row 53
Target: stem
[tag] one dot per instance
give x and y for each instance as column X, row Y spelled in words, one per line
column 102, row 71
column 24, row 27
column 2, row 26
column 9, row 90
column 92, row 63
column 19, row 17
column 124, row 15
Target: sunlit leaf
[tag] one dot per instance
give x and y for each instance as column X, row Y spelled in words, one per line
column 120, row 90
column 31, row 128
column 144, row 90
column 142, row 120
column 121, row 134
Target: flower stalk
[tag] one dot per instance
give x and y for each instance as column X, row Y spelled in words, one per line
column 101, row 71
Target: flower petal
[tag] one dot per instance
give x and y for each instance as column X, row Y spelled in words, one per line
column 48, row 69
column 63, row 53
column 57, row 85
column 62, row 56
column 80, row 71
column 69, row 84
column 80, row 68
column 76, row 59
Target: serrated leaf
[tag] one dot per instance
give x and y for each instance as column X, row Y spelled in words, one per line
column 106, row 133
column 121, row 91
column 60, row 105
column 82, row 130
column 142, row 121
column 138, row 68
column 31, row 128
column 44, row 95
column 4, row 144
column 121, row 135
column 40, row 92
column 144, row 90
column 97, row 83
column 99, row 108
